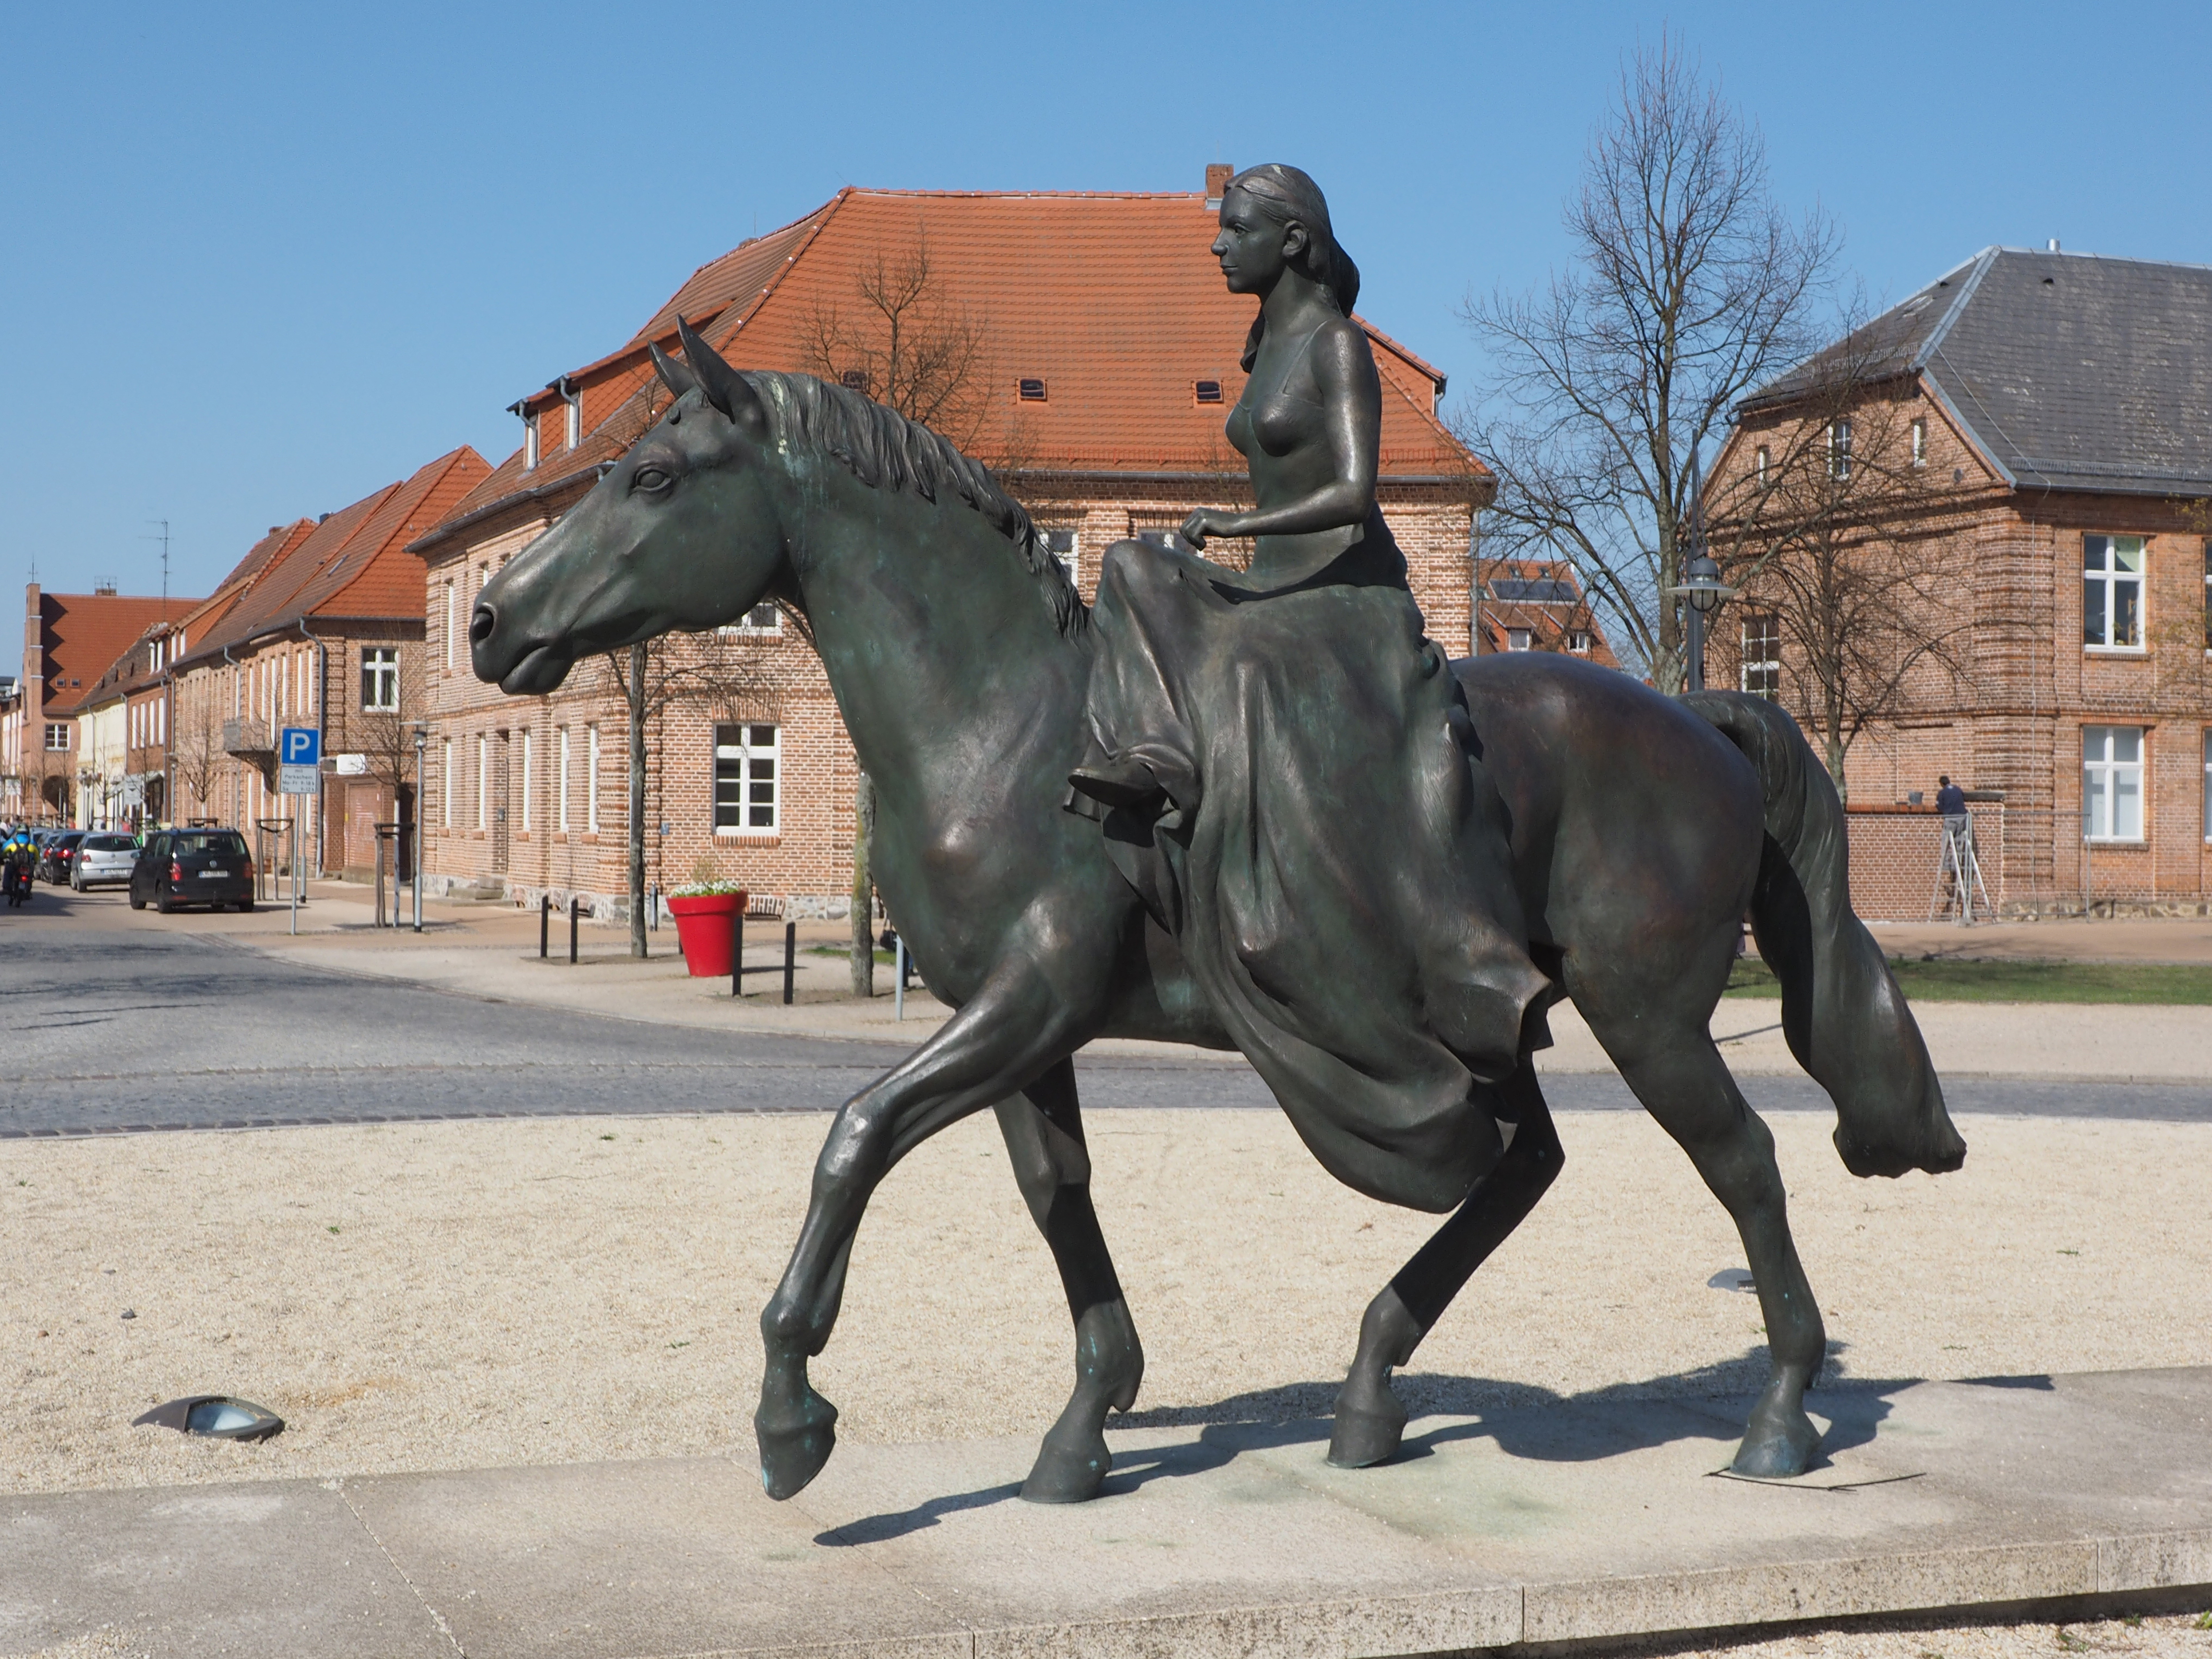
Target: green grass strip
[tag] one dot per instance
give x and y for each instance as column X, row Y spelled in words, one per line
column 1950, row 980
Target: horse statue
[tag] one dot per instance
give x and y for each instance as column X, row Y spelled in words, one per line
column 1643, row 829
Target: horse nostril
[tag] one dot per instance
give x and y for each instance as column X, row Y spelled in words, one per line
column 482, row 625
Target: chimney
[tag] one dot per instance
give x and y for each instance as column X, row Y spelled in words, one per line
column 1218, row 175
column 2054, row 245
column 103, row 587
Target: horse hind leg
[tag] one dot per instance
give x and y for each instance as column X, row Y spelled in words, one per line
column 1371, row 1422
column 1043, row 1132
column 1682, row 1081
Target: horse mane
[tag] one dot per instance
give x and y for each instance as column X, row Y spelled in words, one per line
column 883, row 449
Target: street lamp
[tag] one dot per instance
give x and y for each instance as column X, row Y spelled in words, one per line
column 421, row 742
column 1701, row 582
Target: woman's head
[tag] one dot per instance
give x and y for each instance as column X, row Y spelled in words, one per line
column 1284, row 197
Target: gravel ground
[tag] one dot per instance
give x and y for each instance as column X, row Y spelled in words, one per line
column 470, row 1294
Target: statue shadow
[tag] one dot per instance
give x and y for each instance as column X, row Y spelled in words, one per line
column 1709, row 1402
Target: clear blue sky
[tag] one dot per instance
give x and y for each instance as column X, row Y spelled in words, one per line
column 259, row 261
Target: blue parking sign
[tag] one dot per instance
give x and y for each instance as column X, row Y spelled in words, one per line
column 300, row 745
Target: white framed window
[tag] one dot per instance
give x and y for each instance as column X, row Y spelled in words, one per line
column 161, row 722
column 2208, row 784
column 2112, row 783
column 576, row 423
column 380, row 679
column 1168, row 536
column 1578, row 640
column 530, row 440
column 1517, row 639
column 2208, row 592
column 561, row 820
column 1762, row 655
column 446, row 783
column 763, row 620
column 525, row 783
column 484, row 772
column 1759, row 461
column 1920, row 442
column 1062, row 545
column 591, row 780
column 748, row 783
column 1839, row 449
column 449, row 626
column 58, row 736
column 2113, row 592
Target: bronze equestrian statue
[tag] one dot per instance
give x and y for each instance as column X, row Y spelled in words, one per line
column 1080, row 837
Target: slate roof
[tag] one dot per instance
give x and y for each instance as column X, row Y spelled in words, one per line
column 2070, row 371
column 1111, row 300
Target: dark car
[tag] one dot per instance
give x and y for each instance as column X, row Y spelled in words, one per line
column 193, row 866
column 57, row 855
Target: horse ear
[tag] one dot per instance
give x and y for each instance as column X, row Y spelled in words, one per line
column 678, row 379
column 721, row 385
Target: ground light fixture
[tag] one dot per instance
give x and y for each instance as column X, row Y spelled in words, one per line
column 214, row 1416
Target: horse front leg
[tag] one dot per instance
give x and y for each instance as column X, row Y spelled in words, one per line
column 1008, row 1033
column 1043, row 1131
column 1371, row 1422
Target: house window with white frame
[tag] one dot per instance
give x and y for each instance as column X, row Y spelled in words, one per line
column 449, row 626
column 561, row 820
column 2208, row 592
column 748, row 784
column 2113, row 592
column 446, row 783
column 2112, row 783
column 57, row 736
column 1759, row 464
column 1839, row 449
column 2208, row 784
column 575, row 434
column 1762, row 654
column 1578, row 640
column 525, row 783
column 1060, row 543
column 1518, row 639
column 763, row 620
column 591, row 780
column 1920, row 442
column 380, row 680
column 483, row 780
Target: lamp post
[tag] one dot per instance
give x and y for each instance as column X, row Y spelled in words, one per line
column 1701, row 584
column 421, row 742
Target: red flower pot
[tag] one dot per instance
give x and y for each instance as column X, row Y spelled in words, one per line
column 705, row 926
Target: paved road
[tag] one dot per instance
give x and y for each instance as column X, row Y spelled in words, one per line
column 115, row 1032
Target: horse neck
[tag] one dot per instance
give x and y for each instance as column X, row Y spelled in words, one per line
column 939, row 645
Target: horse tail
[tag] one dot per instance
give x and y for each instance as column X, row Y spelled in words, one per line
column 1844, row 1017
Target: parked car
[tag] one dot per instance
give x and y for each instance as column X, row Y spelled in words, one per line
column 193, row 866
column 56, row 857
column 104, row 859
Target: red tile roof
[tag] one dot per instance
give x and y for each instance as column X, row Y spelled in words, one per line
column 351, row 564
column 82, row 634
column 1112, row 300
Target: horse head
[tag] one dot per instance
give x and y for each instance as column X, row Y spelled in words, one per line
column 684, row 532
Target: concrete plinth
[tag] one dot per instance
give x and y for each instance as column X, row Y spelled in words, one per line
column 1557, row 1523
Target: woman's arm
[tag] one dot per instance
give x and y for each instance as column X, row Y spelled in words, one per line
column 1351, row 429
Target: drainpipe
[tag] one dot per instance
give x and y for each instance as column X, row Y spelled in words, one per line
column 322, row 725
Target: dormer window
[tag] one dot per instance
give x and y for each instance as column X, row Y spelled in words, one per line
column 855, row 380
column 575, row 434
column 1206, row 392
column 1029, row 389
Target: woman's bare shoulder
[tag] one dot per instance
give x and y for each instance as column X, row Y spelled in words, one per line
column 1341, row 353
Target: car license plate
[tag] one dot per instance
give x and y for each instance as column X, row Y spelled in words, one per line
column 213, row 875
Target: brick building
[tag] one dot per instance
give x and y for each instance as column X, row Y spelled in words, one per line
column 2054, row 413
column 320, row 624
column 1103, row 349
column 64, row 765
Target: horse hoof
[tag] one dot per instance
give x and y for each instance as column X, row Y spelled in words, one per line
column 794, row 1442
column 1367, row 1432
column 1779, row 1442
column 1071, row 1467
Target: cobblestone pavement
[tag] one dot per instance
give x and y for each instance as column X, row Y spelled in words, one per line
column 117, row 1031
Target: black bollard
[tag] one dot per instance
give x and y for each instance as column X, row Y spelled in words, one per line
column 790, row 958
column 737, row 951
column 544, row 922
column 575, row 907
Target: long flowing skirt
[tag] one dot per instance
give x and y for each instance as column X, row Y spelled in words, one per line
column 1332, row 859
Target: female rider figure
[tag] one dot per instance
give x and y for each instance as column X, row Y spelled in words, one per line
column 1285, row 769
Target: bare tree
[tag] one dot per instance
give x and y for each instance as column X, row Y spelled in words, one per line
column 197, row 756
column 906, row 341
column 1689, row 287
column 1823, row 524
column 717, row 669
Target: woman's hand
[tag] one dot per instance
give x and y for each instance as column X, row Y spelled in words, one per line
column 1209, row 521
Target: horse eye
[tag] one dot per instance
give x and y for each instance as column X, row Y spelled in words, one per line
column 649, row 477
